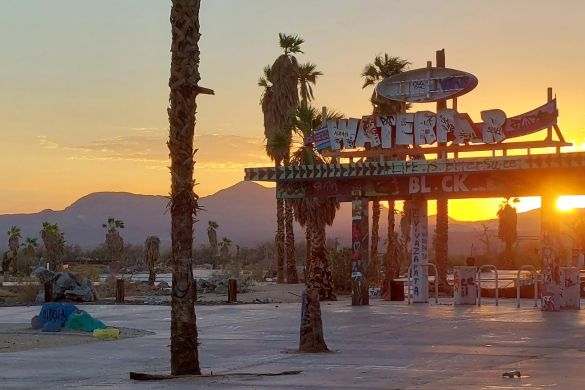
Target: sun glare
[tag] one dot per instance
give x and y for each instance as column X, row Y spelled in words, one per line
column 567, row 203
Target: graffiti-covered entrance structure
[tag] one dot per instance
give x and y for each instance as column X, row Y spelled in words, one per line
column 424, row 155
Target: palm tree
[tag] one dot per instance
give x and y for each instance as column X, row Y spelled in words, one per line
column 278, row 148
column 14, row 238
column 151, row 256
column 381, row 68
column 54, row 243
column 314, row 213
column 113, row 224
column 13, row 244
column 279, row 102
column 307, row 77
column 507, row 223
column 225, row 248
column 212, row 237
column 114, row 242
column 30, row 246
column 183, row 83
column 307, row 74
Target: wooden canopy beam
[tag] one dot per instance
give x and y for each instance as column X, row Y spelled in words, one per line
column 454, row 148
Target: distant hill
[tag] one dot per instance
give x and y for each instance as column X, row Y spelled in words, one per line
column 245, row 213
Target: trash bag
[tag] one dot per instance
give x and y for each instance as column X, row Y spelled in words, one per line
column 81, row 320
column 53, row 316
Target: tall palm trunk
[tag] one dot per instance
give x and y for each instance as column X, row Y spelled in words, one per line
column 393, row 271
column 374, row 267
column 151, row 257
column 183, row 84
column 319, row 272
column 279, row 241
column 291, row 265
column 390, row 269
column 509, row 255
column 13, row 244
column 308, row 249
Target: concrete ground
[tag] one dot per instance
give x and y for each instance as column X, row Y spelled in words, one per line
column 387, row 345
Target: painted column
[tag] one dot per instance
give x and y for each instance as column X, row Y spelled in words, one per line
column 420, row 252
column 464, row 285
column 549, row 235
column 570, row 288
column 360, row 245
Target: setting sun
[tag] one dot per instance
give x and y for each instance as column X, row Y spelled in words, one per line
column 566, row 203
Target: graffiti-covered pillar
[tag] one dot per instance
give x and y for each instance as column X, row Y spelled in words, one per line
column 549, row 235
column 420, row 252
column 360, row 245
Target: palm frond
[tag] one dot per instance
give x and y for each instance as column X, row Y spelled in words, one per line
column 382, row 67
column 278, row 146
column 290, row 43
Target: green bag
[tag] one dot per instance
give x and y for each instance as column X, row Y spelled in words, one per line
column 81, row 320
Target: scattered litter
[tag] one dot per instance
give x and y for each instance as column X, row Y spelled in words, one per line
column 154, row 301
column 511, row 374
column 107, row 334
column 56, row 315
column 375, row 292
column 163, row 284
column 81, row 320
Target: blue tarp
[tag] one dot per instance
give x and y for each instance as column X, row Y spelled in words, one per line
column 54, row 315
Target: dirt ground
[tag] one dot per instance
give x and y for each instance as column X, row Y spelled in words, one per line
column 263, row 292
column 21, row 337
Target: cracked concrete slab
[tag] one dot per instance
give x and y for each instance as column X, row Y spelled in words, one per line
column 387, row 345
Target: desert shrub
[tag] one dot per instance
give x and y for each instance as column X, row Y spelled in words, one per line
column 26, row 292
column 340, row 263
column 90, row 271
column 26, row 264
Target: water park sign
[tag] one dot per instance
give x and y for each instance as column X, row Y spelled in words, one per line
column 426, row 128
column 426, row 85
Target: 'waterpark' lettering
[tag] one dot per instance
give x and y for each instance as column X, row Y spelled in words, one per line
column 426, row 128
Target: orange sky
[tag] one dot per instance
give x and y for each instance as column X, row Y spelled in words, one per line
column 83, row 85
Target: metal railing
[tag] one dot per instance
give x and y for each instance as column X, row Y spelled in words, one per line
column 534, row 278
column 490, row 266
column 436, row 279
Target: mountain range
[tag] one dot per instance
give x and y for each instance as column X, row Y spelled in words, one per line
column 245, row 213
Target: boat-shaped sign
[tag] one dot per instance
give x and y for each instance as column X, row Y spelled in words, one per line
column 426, row 85
column 425, row 128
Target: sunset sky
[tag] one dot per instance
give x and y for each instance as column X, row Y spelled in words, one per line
column 83, row 84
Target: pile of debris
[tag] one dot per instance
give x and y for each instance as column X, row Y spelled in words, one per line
column 219, row 285
column 54, row 316
column 66, row 286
